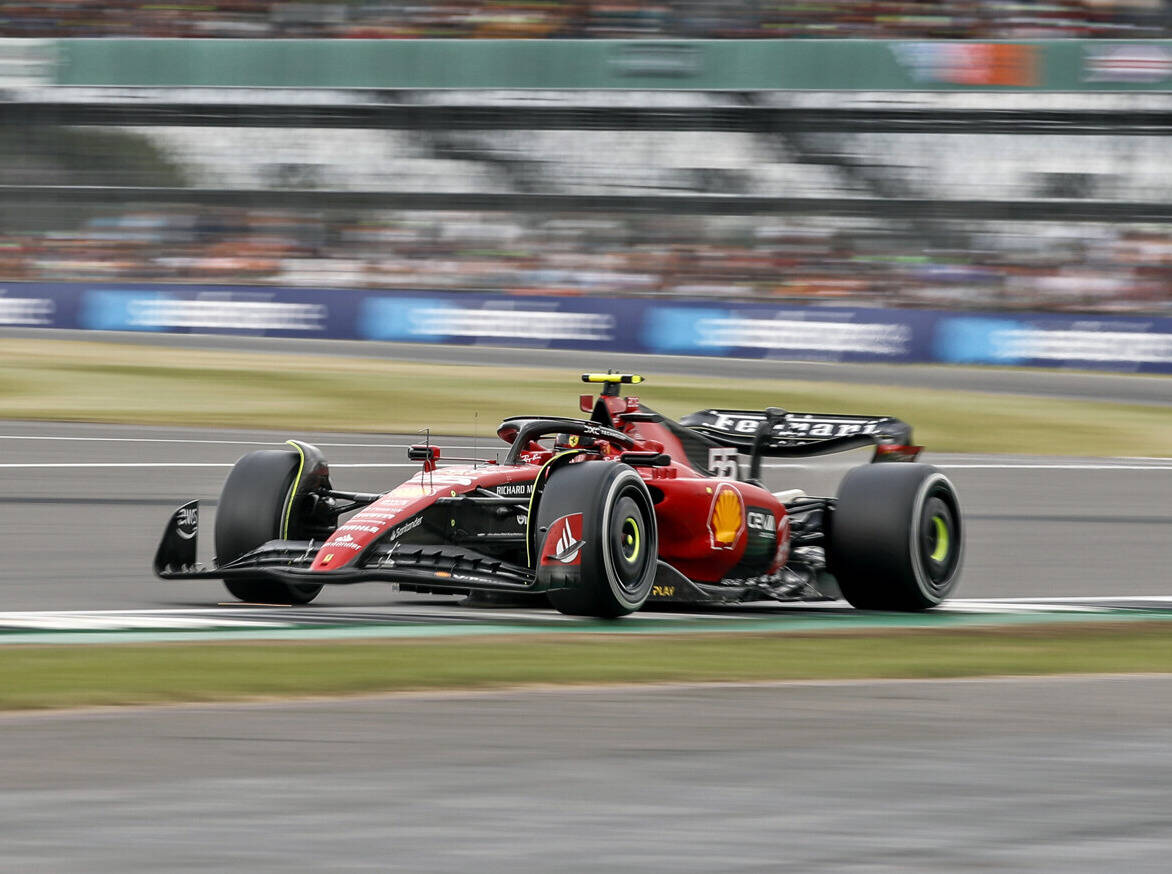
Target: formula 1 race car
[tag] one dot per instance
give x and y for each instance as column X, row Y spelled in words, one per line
column 598, row 515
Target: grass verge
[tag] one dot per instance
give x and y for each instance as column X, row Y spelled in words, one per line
column 33, row 677
column 103, row 382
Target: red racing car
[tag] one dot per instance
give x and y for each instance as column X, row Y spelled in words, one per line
column 598, row 515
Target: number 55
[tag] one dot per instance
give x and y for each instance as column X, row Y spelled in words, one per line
column 722, row 462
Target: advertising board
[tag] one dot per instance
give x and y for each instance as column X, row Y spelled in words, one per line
column 739, row 329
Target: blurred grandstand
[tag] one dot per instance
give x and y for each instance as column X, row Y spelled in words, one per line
column 940, row 207
column 613, row 19
column 1007, row 198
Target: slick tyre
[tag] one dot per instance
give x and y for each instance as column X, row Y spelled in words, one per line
column 611, row 572
column 896, row 540
column 252, row 512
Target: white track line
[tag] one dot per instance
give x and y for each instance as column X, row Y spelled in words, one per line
column 1011, row 466
column 242, row 616
column 159, row 464
column 241, row 609
column 1055, row 466
column 1098, row 464
column 1110, row 599
column 34, row 465
column 219, row 442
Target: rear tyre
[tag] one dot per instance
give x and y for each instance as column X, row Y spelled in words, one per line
column 895, row 537
column 612, row 573
column 252, row 511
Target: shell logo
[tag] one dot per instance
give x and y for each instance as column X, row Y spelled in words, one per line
column 726, row 517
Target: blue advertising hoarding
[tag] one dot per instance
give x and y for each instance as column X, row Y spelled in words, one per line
column 1047, row 340
column 655, row 325
column 765, row 331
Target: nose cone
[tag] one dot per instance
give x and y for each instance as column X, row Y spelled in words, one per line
column 352, row 537
column 341, row 549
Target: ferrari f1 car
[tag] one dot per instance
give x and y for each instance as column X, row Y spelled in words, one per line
column 599, row 515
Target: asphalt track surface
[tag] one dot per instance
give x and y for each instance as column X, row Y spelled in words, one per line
column 1104, row 385
column 83, row 506
column 1065, row 775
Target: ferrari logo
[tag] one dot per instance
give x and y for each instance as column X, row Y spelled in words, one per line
column 573, row 440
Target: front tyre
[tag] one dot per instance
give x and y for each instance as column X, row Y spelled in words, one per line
column 597, row 541
column 895, row 537
column 254, row 509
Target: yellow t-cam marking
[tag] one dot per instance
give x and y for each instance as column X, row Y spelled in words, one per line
column 625, row 378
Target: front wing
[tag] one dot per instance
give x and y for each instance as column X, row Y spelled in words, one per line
column 439, row 567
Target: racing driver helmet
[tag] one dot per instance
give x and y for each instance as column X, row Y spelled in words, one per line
column 565, row 442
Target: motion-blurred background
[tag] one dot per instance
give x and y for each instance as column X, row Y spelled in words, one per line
column 674, row 151
column 800, row 182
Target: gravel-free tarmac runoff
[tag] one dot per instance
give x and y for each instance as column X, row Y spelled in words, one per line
column 1057, row 775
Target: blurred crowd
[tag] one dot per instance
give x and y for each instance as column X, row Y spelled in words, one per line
column 619, row 19
column 1093, row 269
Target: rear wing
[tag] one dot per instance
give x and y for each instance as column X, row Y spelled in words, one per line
column 779, row 433
column 798, row 428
